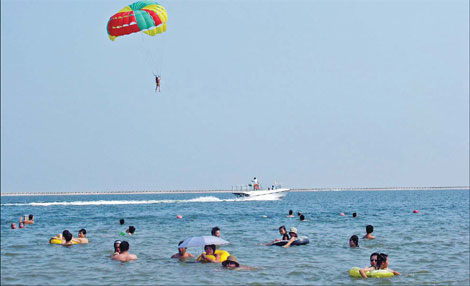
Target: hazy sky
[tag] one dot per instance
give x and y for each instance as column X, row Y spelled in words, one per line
column 310, row 93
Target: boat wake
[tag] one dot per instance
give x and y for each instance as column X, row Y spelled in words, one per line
column 209, row 199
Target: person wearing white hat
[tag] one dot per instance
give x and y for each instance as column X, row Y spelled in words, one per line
column 293, row 236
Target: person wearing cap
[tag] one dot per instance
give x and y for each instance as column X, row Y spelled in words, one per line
column 124, row 254
column 293, row 236
column 182, row 254
column 232, row 263
column 117, row 244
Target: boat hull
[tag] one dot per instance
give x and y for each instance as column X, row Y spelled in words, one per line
column 259, row 194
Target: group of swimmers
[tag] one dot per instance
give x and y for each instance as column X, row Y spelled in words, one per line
column 24, row 220
column 212, row 255
column 378, row 261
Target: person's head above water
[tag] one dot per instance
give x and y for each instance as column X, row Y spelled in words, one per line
column 373, row 259
column 231, row 262
column 124, row 246
column 354, row 214
column 299, row 213
column 82, row 233
column 209, row 249
column 293, row 232
column 31, row 217
column 131, row 229
column 13, row 225
column 181, row 250
column 67, row 235
column 21, row 225
column 291, row 212
column 382, row 261
column 354, row 241
column 215, row 231
column 117, row 244
column 121, row 221
column 302, row 217
column 369, row 229
column 282, row 229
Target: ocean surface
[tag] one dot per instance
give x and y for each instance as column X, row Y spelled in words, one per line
column 428, row 248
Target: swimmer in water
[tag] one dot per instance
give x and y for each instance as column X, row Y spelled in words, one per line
column 354, row 241
column 302, row 217
column 21, row 225
column 27, row 219
column 182, row 254
column 232, row 263
column 13, row 225
column 209, row 250
column 117, row 244
column 81, row 237
column 293, row 236
column 291, row 214
column 130, row 230
column 124, row 254
column 369, row 230
column 66, row 237
column 373, row 259
column 283, row 232
column 121, row 221
column 381, row 262
column 215, row 231
column 354, row 214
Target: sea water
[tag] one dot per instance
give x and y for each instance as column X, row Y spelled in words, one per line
column 428, row 248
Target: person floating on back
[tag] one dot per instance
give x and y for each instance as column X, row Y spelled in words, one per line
column 369, row 230
column 182, row 254
column 124, row 254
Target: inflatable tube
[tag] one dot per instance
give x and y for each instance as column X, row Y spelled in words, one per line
column 223, row 255
column 55, row 240
column 354, row 272
column 299, row 241
column 256, row 186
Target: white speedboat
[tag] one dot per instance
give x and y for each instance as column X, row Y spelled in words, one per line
column 276, row 192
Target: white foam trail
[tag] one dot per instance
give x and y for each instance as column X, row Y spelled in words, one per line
column 209, row 199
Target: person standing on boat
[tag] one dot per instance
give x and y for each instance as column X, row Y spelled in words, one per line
column 255, row 183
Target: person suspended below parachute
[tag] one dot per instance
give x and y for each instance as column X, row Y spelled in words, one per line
column 146, row 16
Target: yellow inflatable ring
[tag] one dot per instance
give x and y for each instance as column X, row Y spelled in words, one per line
column 55, row 240
column 354, row 272
column 223, row 255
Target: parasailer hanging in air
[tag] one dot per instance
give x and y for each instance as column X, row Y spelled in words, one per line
column 146, row 16
column 157, row 82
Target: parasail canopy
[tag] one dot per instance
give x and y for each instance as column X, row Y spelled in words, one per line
column 145, row 16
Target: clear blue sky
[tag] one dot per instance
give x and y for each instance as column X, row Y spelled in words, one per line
column 311, row 93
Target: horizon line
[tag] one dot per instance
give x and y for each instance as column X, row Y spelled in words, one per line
column 13, row 194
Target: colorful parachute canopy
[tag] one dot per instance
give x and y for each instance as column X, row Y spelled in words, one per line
column 142, row 16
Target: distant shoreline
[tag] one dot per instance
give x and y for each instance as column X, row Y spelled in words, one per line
column 230, row 191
